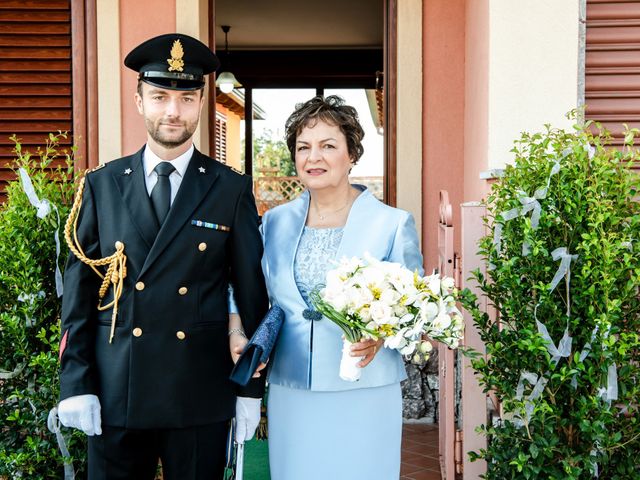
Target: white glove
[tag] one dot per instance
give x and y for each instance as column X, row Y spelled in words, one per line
column 81, row 412
column 247, row 418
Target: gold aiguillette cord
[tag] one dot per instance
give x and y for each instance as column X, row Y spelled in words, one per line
column 117, row 262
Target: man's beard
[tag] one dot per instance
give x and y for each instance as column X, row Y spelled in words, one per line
column 160, row 139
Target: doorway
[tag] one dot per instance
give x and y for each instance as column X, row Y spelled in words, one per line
column 339, row 49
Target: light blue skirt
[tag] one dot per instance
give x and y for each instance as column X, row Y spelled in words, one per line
column 345, row 435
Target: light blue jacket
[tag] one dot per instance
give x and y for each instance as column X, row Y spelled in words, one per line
column 308, row 352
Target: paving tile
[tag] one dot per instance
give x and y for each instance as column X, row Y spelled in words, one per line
column 425, row 475
column 408, row 456
column 406, row 469
column 420, row 459
column 423, row 462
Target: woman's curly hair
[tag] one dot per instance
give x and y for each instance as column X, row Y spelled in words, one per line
column 333, row 111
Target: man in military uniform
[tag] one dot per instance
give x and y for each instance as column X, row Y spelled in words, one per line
column 146, row 375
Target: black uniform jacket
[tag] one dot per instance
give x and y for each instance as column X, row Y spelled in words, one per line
column 169, row 363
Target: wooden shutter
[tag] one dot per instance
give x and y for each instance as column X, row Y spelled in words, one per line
column 612, row 81
column 35, row 75
column 221, row 138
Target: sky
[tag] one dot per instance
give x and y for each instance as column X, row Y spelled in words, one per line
column 278, row 105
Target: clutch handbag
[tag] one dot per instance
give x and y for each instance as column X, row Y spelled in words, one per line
column 259, row 348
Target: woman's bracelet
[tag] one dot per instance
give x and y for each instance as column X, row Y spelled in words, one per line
column 239, row 331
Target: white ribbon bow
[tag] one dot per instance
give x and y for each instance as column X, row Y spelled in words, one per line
column 539, row 383
column 565, row 266
column 564, row 345
column 30, row 298
column 43, row 208
column 7, row 375
column 611, row 391
column 53, row 424
column 528, row 204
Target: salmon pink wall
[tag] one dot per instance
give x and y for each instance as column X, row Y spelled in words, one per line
column 476, row 121
column 443, row 117
column 139, row 21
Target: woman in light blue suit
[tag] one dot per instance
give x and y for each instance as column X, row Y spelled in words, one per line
column 320, row 426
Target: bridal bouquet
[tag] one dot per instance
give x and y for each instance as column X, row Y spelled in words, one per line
column 373, row 299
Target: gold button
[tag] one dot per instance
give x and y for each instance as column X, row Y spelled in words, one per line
column 183, row 290
column 140, row 286
column 202, row 247
column 137, row 332
column 180, row 334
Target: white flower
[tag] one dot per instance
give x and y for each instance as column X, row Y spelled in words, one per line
column 396, row 341
column 447, row 284
column 350, row 265
column 358, row 297
column 425, row 347
column 457, row 320
column 365, row 315
column 402, row 281
column 400, row 311
column 337, row 299
column 372, row 277
column 390, row 296
column 334, row 283
column 408, row 349
column 380, row 312
column 433, row 284
column 442, row 321
column 449, row 301
column 429, row 311
column 408, row 318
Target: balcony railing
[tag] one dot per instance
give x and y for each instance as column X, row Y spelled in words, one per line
column 271, row 191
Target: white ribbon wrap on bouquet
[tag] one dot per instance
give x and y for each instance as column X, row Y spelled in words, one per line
column 349, row 369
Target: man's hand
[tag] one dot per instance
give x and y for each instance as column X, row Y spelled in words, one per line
column 247, row 418
column 81, row 412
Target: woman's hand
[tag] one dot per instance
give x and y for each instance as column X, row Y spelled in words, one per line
column 237, row 337
column 367, row 349
column 238, row 340
column 235, row 354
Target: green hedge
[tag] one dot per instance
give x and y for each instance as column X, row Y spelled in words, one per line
column 29, row 316
column 575, row 427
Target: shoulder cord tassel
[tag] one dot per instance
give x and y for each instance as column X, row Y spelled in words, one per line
column 262, row 432
column 117, row 262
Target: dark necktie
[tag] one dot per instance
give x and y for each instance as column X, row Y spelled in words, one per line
column 161, row 193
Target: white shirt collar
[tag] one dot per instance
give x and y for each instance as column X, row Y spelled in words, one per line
column 150, row 160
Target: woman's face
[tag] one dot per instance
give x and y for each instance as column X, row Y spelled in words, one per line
column 322, row 156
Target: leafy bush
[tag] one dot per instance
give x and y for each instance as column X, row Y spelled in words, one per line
column 565, row 417
column 29, row 317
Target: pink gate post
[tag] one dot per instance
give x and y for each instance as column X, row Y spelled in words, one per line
column 446, row 358
column 474, row 400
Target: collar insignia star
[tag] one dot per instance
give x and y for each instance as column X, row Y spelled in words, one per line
column 128, row 171
column 202, row 169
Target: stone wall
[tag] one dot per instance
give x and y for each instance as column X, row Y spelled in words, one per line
column 421, row 390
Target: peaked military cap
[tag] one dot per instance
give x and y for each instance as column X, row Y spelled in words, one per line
column 173, row 61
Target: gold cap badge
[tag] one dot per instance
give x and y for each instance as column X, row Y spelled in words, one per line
column 176, row 63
